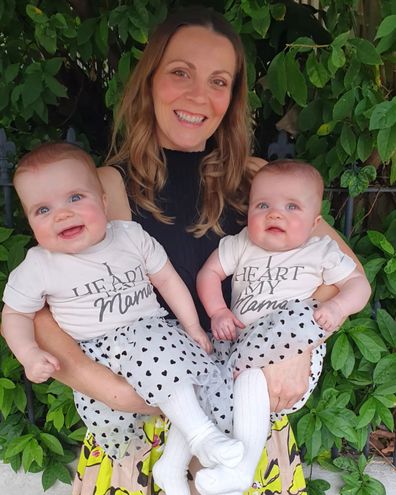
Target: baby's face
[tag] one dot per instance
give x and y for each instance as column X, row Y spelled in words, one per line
column 283, row 211
column 64, row 205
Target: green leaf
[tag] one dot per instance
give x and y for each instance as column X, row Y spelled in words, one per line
column 342, row 350
column 53, row 65
column 46, row 37
column 386, row 142
column 32, row 453
column 337, row 57
column 366, row 52
column 368, row 343
column 138, row 34
column 296, row 85
column 390, row 267
column 385, row 414
column 379, row 240
column 387, row 326
column 387, row 26
column 36, row 14
column 317, row 487
column 19, row 397
column 31, row 89
column 17, row 445
column 326, row 128
column 310, row 116
column 366, row 412
column 385, row 370
column 11, row 72
column 365, row 145
column 384, row 115
column 79, row 434
column 276, row 77
column 341, row 39
column 86, row 31
column 278, row 11
column 55, row 471
column 101, row 35
column 50, row 476
column 6, row 384
column 57, row 417
column 306, row 427
column 352, row 74
column 338, row 424
column 316, row 71
column 52, row 443
column 372, row 267
column 5, row 233
column 344, row 106
column 55, row 86
column 348, row 139
column 262, row 20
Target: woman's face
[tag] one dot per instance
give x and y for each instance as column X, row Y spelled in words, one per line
column 192, row 87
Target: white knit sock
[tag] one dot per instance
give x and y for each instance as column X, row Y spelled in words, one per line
column 170, row 471
column 209, row 444
column 251, row 425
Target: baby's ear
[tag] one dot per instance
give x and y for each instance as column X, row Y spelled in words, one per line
column 105, row 202
column 316, row 221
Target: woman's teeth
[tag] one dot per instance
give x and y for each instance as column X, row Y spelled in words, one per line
column 191, row 119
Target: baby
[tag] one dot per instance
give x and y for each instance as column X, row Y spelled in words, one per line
column 276, row 266
column 98, row 278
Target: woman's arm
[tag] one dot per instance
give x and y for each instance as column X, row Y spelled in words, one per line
column 117, row 205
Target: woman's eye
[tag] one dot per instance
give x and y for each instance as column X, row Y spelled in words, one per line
column 42, row 210
column 262, row 206
column 179, row 73
column 221, row 83
column 292, row 206
column 75, row 197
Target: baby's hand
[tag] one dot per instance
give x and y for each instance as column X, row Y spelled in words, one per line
column 329, row 316
column 224, row 324
column 201, row 338
column 39, row 365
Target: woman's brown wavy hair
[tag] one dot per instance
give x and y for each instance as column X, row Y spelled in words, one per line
column 225, row 177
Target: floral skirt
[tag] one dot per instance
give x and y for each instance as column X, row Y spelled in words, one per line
column 279, row 471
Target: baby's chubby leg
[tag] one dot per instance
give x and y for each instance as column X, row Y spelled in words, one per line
column 251, row 426
column 207, row 442
column 170, row 471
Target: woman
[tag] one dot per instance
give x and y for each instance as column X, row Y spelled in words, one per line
column 180, row 164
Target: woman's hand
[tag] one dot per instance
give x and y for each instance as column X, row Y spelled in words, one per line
column 287, row 381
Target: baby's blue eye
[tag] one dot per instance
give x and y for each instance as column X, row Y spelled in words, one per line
column 42, row 210
column 262, row 206
column 75, row 197
column 292, row 206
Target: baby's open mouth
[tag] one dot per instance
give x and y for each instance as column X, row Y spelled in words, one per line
column 71, row 232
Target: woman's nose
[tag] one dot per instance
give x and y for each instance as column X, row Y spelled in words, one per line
column 197, row 91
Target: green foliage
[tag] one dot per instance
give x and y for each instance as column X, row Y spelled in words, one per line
column 65, row 66
column 49, row 444
column 356, row 481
